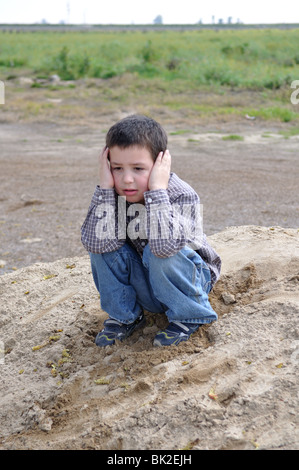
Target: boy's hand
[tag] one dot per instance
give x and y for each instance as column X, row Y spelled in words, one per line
column 160, row 173
column 106, row 180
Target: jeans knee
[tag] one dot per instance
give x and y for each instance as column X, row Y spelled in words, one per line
column 146, row 255
column 99, row 260
column 112, row 257
column 95, row 258
column 158, row 264
column 150, row 260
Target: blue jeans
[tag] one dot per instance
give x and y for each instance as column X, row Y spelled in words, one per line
column 177, row 285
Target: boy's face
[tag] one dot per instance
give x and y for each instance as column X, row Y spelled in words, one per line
column 131, row 168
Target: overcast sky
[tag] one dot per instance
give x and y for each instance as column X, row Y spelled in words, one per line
column 141, row 12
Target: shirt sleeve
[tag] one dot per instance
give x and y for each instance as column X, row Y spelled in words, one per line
column 172, row 224
column 100, row 231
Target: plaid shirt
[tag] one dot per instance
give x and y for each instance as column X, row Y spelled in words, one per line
column 168, row 220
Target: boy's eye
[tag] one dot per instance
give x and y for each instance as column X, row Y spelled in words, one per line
column 118, row 168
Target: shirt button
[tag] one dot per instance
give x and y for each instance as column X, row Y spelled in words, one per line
column 149, row 199
column 142, row 243
column 100, row 198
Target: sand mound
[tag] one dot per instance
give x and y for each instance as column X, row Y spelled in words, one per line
column 232, row 386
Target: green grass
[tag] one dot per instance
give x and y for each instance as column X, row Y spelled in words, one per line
column 257, row 59
column 290, row 132
column 180, row 132
column 274, row 113
column 233, row 137
column 201, row 73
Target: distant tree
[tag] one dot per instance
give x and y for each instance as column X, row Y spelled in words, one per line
column 158, row 20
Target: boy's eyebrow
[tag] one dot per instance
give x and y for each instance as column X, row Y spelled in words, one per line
column 132, row 164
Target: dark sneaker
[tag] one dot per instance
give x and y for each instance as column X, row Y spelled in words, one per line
column 114, row 330
column 175, row 333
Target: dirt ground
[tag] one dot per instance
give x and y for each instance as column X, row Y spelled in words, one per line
column 234, row 384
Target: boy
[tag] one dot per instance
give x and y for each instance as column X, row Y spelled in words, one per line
column 143, row 234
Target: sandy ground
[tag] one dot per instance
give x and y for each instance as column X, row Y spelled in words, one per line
column 233, row 385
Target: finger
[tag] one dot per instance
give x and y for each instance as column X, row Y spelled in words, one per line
column 164, row 155
column 101, row 156
column 104, row 157
column 166, row 158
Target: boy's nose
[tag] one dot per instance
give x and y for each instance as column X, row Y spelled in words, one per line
column 128, row 177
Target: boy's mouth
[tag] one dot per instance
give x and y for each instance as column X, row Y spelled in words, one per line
column 130, row 192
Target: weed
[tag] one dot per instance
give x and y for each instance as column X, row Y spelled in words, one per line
column 275, row 113
column 180, row 132
column 290, row 132
column 148, row 53
column 233, row 137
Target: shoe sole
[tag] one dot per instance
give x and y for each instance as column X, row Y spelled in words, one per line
column 177, row 341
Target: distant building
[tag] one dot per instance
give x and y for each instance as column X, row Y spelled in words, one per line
column 158, row 20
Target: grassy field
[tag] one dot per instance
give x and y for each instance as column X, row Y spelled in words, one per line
column 260, row 61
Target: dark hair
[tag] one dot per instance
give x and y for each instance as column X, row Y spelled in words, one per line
column 138, row 130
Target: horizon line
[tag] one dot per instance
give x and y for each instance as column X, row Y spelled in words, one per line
column 198, row 24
